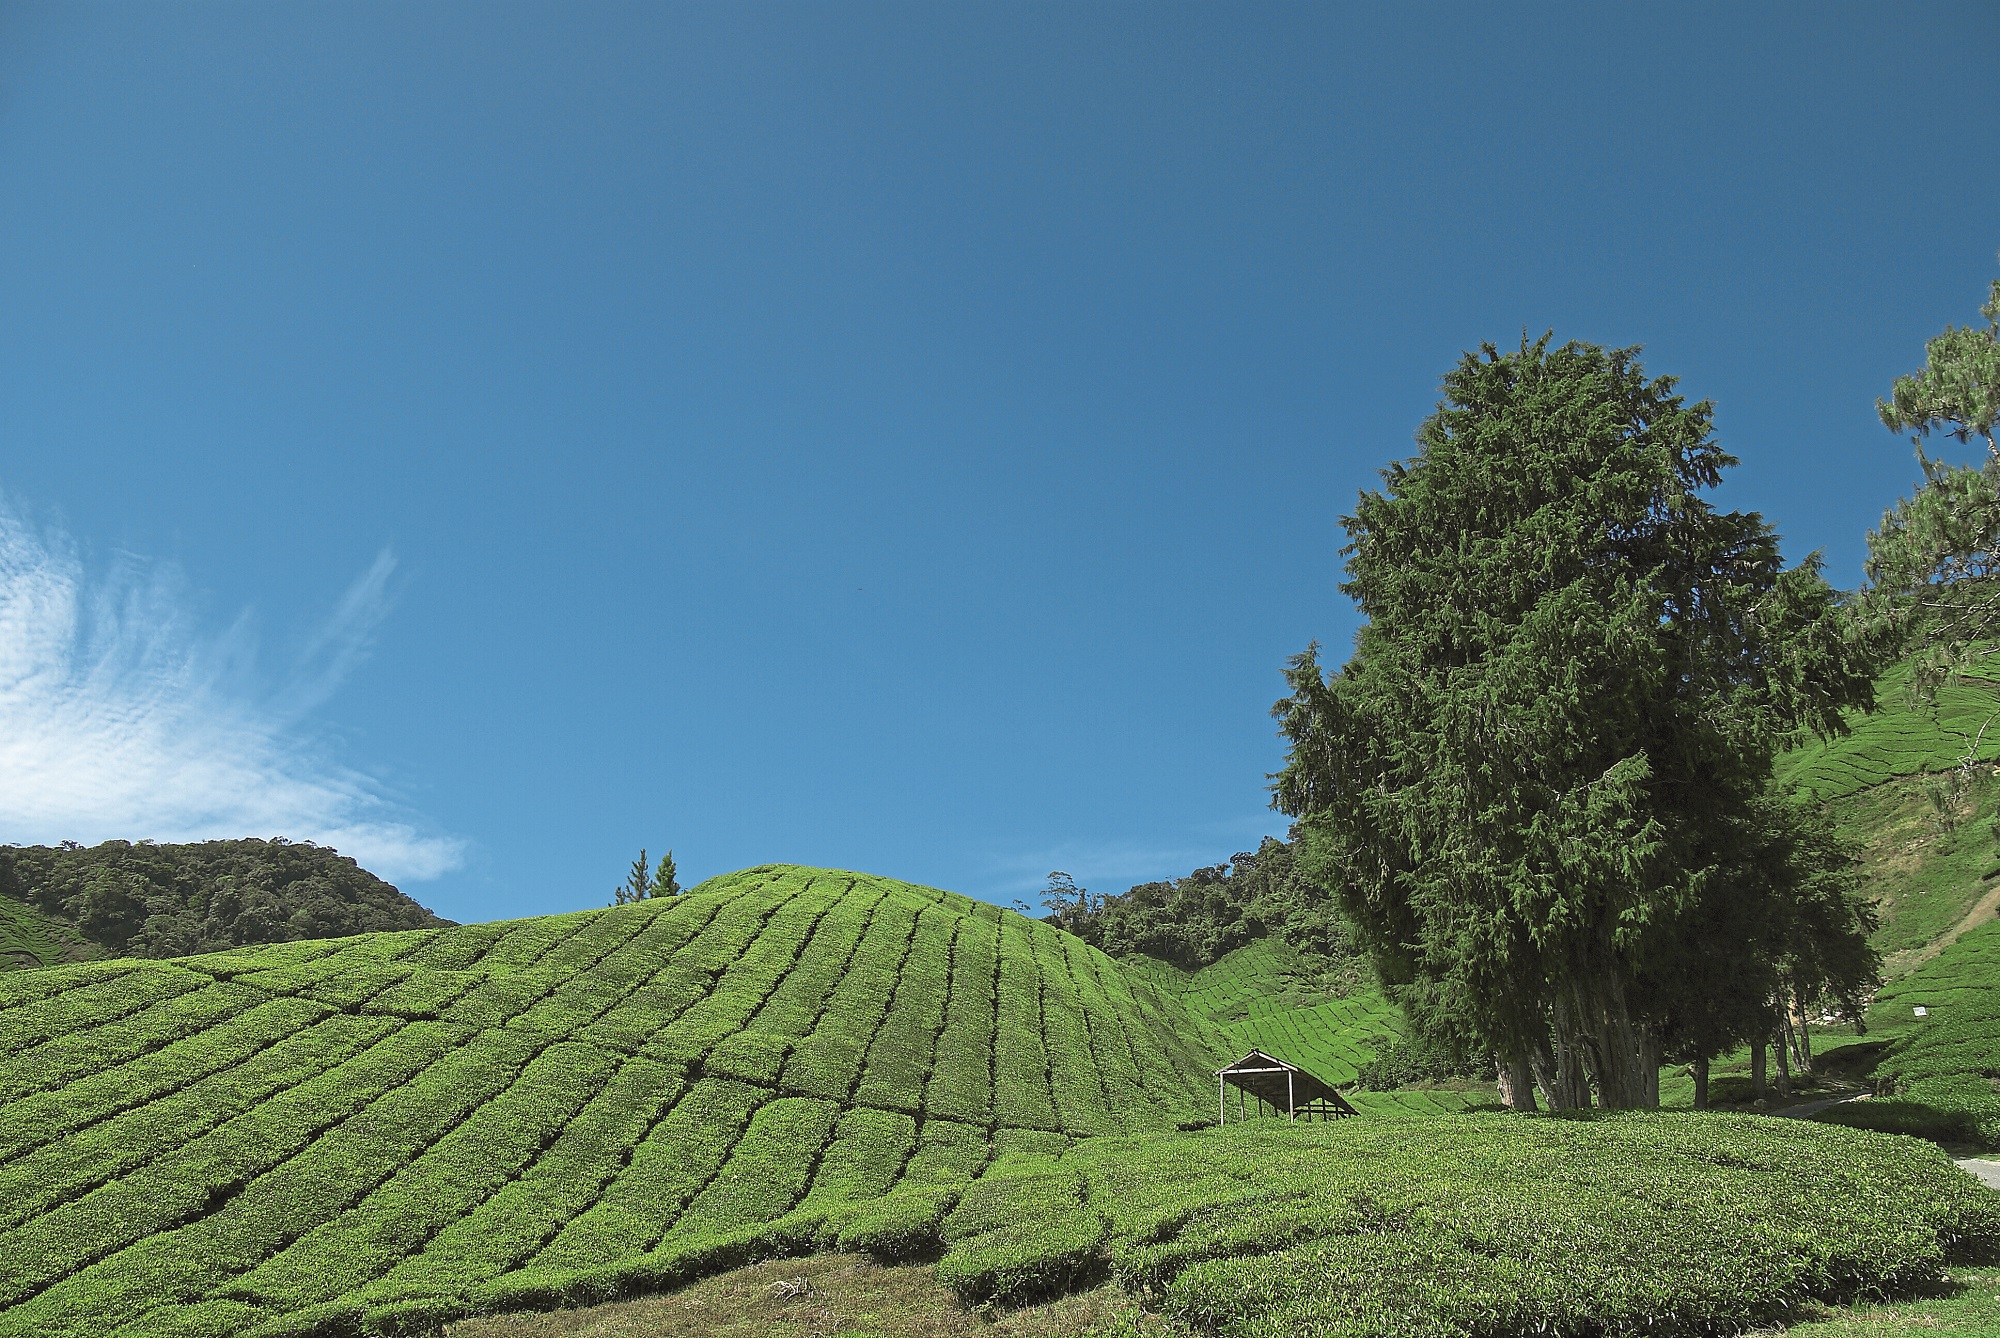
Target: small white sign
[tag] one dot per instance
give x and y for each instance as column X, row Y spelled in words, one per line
column 1921, row 1011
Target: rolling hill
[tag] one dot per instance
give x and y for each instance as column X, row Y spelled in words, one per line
column 272, row 1139
column 385, row 1133
column 377, row 1134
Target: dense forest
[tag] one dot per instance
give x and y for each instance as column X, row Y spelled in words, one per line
column 146, row 900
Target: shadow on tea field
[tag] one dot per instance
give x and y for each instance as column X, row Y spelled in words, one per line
column 827, row 1296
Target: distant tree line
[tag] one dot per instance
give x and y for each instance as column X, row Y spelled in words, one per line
column 1198, row 919
column 139, row 899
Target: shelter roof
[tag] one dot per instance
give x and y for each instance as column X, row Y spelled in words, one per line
column 1286, row 1086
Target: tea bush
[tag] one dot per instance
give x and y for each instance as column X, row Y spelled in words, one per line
column 381, row 1134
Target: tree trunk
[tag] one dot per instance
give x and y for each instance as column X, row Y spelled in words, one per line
column 1621, row 1051
column 1757, row 1048
column 1701, row 1082
column 1517, row 1084
column 1785, row 1055
column 1559, row 1070
column 1802, row 1034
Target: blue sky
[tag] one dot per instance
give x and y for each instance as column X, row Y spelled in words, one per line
column 900, row 437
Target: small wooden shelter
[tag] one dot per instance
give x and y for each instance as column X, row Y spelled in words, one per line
column 1288, row 1089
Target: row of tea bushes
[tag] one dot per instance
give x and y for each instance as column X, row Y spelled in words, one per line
column 1899, row 739
column 1940, row 1072
column 1479, row 1225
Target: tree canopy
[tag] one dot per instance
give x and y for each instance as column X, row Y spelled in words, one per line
column 1539, row 786
column 1935, row 561
column 138, row 899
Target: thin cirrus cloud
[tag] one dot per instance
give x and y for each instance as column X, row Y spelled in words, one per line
column 120, row 719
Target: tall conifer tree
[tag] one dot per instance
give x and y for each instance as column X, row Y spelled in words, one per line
column 1535, row 785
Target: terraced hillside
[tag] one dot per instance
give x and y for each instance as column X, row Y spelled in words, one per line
column 30, row 938
column 1932, row 875
column 1262, row 996
column 1901, row 739
column 1257, row 997
column 295, row 1138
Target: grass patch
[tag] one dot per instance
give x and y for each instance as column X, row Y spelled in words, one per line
column 1964, row 1305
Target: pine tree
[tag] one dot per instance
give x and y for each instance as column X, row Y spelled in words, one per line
column 637, row 885
column 664, row 882
column 1934, row 565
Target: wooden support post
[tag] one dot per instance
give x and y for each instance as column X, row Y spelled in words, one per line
column 1291, row 1102
column 1221, row 1101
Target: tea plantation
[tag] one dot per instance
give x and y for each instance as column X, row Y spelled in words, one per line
column 30, row 938
column 1255, row 998
column 1901, row 739
column 381, row 1134
column 1474, row 1225
column 275, row 1139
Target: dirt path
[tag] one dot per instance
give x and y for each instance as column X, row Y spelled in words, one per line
column 1805, row 1110
column 1987, row 1171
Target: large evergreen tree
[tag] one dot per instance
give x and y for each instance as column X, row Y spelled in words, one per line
column 1536, row 784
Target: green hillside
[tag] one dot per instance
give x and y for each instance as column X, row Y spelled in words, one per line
column 30, row 938
column 263, row 1140
column 1941, row 1070
column 1267, row 996
column 384, row 1133
column 1262, row 996
column 1901, row 739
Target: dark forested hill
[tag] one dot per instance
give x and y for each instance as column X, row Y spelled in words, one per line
column 145, row 900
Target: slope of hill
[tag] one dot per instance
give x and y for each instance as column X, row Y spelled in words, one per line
column 1262, row 996
column 30, row 938
column 1933, row 872
column 139, row 899
column 1901, row 739
column 1267, row 996
column 1941, row 1071
column 283, row 1139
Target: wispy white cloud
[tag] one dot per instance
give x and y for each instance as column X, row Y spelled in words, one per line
column 120, row 718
